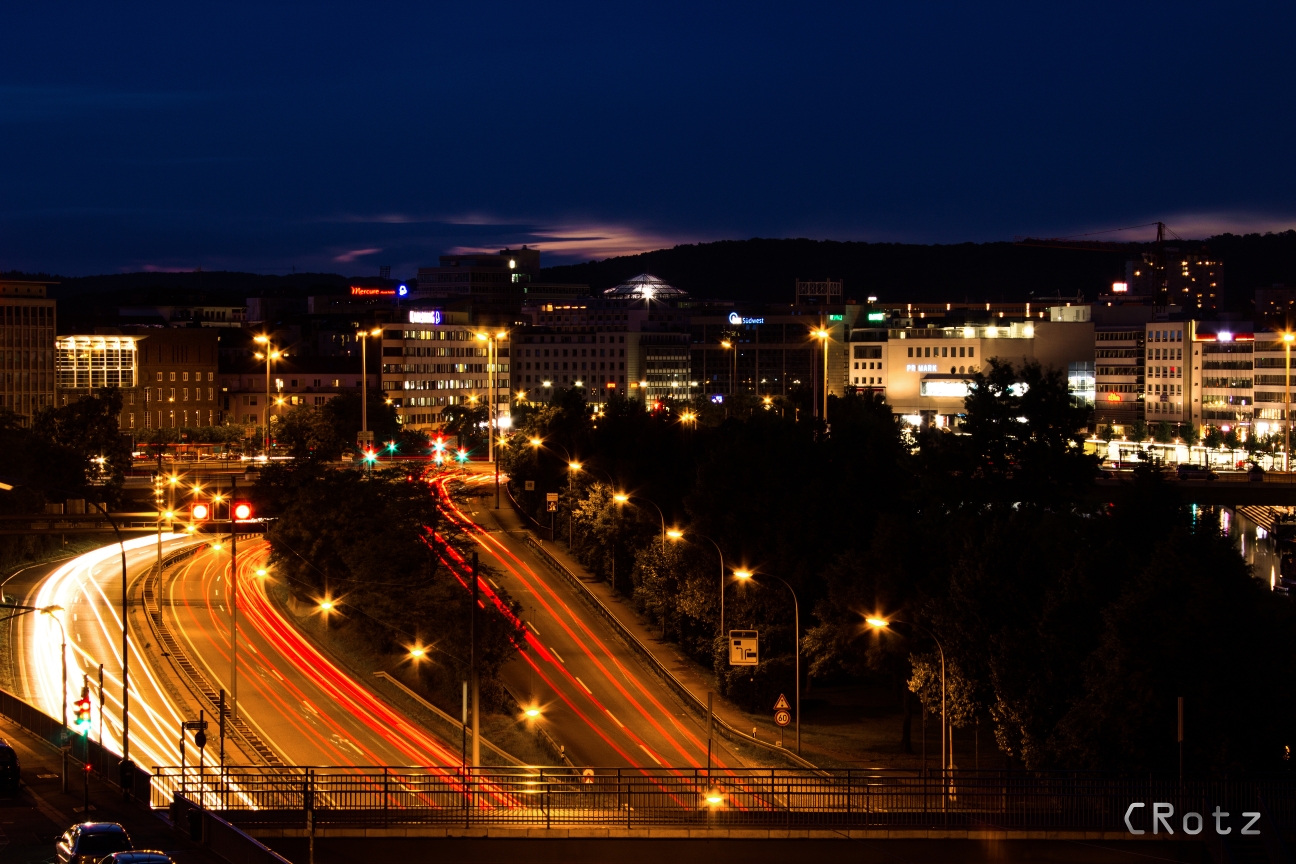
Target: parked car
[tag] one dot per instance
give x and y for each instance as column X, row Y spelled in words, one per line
column 90, row 842
column 9, row 779
column 137, row 856
column 1195, row 472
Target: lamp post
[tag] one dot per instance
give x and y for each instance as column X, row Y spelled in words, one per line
column 622, row 498
column 731, row 345
column 572, row 468
column 1288, row 338
column 796, row 638
column 363, row 336
column 822, row 335
column 883, row 624
column 271, row 353
column 679, row 534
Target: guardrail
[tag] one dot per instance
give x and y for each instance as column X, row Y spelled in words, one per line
column 681, row 797
column 667, row 677
column 226, row 840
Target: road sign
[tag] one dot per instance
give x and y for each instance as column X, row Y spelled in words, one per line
column 744, row 648
column 551, row 502
column 551, row 496
column 782, row 718
column 365, row 437
column 782, row 704
column 530, row 485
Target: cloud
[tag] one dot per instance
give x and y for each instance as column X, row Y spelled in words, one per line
column 348, row 257
column 582, row 242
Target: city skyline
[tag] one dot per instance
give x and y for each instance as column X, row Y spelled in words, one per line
column 346, row 141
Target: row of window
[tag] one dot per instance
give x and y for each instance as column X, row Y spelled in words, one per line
column 420, row 351
column 868, row 365
column 446, row 384
column 584, row 352
column 162, row 395
column 968, row 351
column 1165, row 353
column 438, row 368
column 1165, row 371
column 539, row 380
column 584, row 366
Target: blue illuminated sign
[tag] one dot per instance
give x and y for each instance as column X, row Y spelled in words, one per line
column 402, row 290
column 735, row 318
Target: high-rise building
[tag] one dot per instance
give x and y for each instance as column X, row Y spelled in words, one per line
column 1190, row 278
column 27, row 327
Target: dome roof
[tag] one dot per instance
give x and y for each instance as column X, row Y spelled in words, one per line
column 644, row 286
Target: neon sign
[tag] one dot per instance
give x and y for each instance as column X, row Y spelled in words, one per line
column 432, row 316
column 735, row 318
column 357, row 291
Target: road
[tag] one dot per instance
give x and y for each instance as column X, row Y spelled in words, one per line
column 89, row 590
column 594, row 696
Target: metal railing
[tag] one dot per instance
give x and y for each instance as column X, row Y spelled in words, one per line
column 755, row 798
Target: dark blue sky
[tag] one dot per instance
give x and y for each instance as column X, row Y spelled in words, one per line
column 340, row 137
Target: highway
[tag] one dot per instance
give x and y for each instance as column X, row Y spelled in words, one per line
column 592, row 695
column 595, row 698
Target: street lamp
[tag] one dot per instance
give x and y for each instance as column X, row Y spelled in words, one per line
column 881, row 624
column 271, row 353
column 363, row 337
column 822, row 335
column 622, row 498
column 733, row 379
column 745, row 575
column 678, row 534
column 572, row 468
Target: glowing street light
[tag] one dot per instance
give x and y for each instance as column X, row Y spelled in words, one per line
column 532, row 712
column 881, row 624
column 326, row 605
column 417, row 653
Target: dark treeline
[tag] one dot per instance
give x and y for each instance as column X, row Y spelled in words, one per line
column 1070, row 624
column 765, row 270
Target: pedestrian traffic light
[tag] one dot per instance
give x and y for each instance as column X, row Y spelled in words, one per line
column 199, row 512
column 82, row 707
column 242, row 511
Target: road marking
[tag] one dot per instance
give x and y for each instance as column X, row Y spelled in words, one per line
column 613, row 716
column 533, row 628
column 582, row 683
column 556, row 654
column 493, row 582
column 650, row 754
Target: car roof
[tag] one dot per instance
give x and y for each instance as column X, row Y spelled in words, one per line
column 140, row 856
column 100, row 828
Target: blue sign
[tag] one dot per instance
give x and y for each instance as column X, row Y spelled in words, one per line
column 718, row 398
column 402, row 290
column 735, row 318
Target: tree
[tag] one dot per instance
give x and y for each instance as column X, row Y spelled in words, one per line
column 84, row 438
column 365, row 540
column 343, row 414
column 308, row 433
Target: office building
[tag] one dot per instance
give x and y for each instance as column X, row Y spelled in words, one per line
column 492, row 288
column 293, row 381
column 435, row 359
column 632, row 339
column 27, row 327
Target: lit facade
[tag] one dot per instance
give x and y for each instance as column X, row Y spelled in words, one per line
column 435, row 359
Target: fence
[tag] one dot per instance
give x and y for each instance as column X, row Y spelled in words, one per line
column 667, row 677
column 740, row 798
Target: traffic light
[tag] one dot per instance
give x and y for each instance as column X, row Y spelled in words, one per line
column 242, row 511
column 199, row 512
column 82, row 707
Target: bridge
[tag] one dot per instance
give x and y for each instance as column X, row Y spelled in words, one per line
column 1230, row 490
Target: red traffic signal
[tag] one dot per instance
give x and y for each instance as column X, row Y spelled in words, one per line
column 200, row 512
column 82, row 707
column 242, row 511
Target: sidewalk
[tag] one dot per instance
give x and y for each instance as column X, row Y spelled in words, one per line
column 691, row 674
column 31, row 821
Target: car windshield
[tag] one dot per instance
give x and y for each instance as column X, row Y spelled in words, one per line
column 103, row 843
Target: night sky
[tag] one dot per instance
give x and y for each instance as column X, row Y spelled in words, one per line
column 342, row 137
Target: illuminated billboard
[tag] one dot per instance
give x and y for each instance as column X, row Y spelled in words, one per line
column 428, row 316
column 357, row 291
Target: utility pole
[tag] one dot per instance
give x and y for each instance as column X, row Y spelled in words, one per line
column 476, row 681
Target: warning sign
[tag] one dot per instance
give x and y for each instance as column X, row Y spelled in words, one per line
column 782, row 704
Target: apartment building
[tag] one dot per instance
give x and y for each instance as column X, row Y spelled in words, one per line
column 27, row 327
